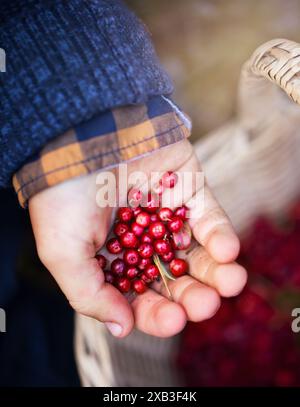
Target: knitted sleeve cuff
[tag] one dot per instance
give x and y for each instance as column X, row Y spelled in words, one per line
column 115, row 136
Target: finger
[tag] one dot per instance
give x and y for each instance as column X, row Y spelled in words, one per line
column 212, row 228
column 83, row 284
column 189, row 179
column 199, row 301
column 228, row 279
column 156, row 315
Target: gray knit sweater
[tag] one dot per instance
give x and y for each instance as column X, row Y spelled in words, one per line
column 66, row 61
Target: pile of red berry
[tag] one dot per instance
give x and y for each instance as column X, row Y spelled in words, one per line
column 146, row 238
column 250, row 341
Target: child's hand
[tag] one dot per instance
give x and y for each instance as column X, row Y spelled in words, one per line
column 70, row 228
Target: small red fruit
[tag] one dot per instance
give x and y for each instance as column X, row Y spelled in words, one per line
column 132, row 272
column 145, row 250
column 120, row 228
column 175, row 224
column 114, row 246
column 102, row 261
column 123, row 284
column 169, row 179
column 152, row 272
column 137, row 229
column 146, row 238
column 178, row 267
column 139, row 286
column 145, row 278
column 157, row 230
column 154, row 217
column 131, row 257
column 161, row 246
column 143, row 219
column 129, row 240
column 168, row 257
column 109, row 277
column 181, row 212
column 143, row 263
column 117, row 267
column 137, row 210
column 125, row 214
column 165, row 214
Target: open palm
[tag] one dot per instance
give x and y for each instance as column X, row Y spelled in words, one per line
column 70, row 228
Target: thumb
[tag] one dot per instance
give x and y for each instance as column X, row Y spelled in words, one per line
column 84, row 286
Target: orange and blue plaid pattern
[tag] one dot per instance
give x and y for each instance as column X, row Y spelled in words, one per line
column 114, row 136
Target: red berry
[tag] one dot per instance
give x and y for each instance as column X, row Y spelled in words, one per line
column 120, row 228
column 165, row 214
column 139, row 286
column 132, row 272
column 102, row 261
column 129, row 240
column 175, row 224
column 145, row 278
column 137, row 229
column 137, row 210
column 169, row 179
column 131, row 257
column 152, row 272
column 181, row 212
column 145, row 250
column 117, row 267
column 168, row 257
column 114, row 246
column 123, row 284
column 157, row 230
column 125, row 214
column 152, row 202
column 178, row 267
column 109, row 277
column 154, row 217
column 161, row 246
column 134, row 197
column 146, row 238
column 143, row 263
column 143, row 219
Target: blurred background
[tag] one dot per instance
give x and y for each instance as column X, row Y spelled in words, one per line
column 203, row 45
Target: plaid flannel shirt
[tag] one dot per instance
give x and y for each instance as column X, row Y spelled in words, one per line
column 114, row 136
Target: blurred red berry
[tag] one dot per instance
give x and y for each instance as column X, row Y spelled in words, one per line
column 146, row 250
column 114, row 246
column 161, row 246
column 157, row 230
column 165, row 214
column 117, row 267
column 129, row 240
column 131, row 257
column 123, row 284
column 120, row 228
column 125, row 214
column 178, row 267
column 169, row 179
column 139, row 286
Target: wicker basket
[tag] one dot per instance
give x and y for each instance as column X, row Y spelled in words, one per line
column 251, row 164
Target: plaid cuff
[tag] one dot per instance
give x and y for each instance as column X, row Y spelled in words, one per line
column 114, row 136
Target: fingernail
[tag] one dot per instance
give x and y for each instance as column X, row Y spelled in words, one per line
column 114, row 329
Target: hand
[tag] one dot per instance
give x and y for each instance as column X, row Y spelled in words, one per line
column 70, row 228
